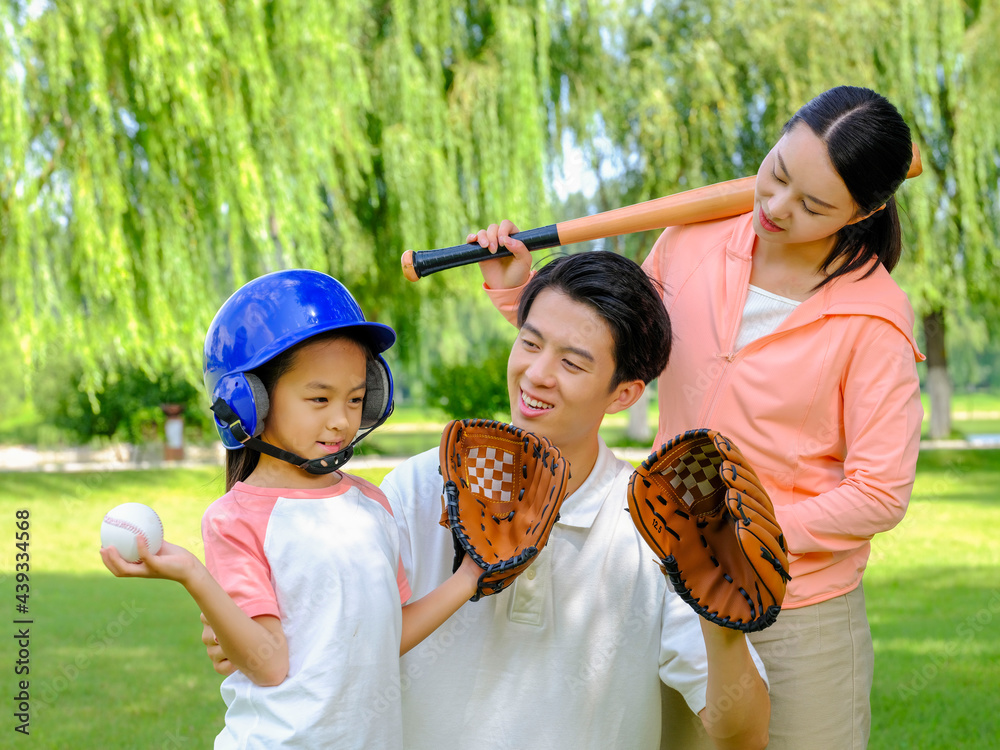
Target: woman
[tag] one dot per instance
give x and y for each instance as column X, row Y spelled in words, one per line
column 792, row 339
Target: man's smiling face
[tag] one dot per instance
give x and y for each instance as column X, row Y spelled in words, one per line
column 560, row 370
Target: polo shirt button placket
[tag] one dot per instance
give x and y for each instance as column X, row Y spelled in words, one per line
column 527, row 601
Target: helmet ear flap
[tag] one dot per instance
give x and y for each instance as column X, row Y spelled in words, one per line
column 262, row 404
column 246, row 396
column 378, row 393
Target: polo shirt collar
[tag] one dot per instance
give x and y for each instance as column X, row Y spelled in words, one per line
column 581, row 508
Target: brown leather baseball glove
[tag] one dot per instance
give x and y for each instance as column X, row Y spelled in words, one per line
column 503, row 487
column 703, row 511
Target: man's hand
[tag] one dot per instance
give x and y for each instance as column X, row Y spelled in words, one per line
column 220, row 663
column 738, row 708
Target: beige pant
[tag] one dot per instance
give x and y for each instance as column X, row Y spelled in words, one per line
column 819, row 662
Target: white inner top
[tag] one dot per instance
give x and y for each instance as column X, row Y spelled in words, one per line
column 763, row 313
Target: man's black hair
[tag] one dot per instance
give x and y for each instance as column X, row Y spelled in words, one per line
column 625, row 298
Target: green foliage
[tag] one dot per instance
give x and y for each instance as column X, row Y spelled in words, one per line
column 154, row 156
column 18, row 420
column 473, row 389
column 690, row 93
column 157, row 155
column 127, row 407
column 939, row 61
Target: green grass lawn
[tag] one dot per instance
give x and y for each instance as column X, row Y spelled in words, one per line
column 933, row 596
column 99, row 643
column 971, row 403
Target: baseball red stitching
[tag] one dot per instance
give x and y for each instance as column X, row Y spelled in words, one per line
column 128, row 526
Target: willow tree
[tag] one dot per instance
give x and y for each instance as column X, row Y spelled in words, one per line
column 701, row 89
column 941, row 62
column 157, row 155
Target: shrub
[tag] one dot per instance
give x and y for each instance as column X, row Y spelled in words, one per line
column 128, row 408
column 473, row 390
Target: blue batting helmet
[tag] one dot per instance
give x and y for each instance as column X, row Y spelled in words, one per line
column 268, row 316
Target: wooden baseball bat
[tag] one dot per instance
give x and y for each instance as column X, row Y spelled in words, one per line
column 688, row 207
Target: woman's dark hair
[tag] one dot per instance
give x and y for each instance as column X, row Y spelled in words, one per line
column 240, row 463
column 870, row 147
column 625, row 298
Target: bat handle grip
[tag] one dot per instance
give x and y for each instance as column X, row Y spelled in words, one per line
column 420, row 263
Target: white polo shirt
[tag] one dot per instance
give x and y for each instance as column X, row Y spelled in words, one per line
column 571, row 655
column 326, row 562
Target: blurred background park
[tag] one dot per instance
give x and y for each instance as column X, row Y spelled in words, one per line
column 156, row 155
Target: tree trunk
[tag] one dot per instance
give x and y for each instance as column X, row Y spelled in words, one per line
column 938, row 382
column 638, row 419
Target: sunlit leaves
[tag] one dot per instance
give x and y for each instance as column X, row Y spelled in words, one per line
column 156, row 155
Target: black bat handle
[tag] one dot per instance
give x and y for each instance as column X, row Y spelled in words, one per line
column 426, row 262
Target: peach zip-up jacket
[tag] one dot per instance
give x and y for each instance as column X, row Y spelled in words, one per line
column 826, row 408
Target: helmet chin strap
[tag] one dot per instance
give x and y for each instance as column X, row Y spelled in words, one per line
column 325, row 465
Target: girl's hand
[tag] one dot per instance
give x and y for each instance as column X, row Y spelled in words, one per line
column 469, row 572
column 503, row 273
column 172, row 563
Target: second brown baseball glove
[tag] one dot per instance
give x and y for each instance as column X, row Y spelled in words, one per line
column 701, row 508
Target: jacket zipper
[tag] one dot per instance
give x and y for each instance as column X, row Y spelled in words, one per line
column 729, row 355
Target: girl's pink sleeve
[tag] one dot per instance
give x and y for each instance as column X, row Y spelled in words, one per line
column 882, row 421
column 234, row 555
column 404, row 585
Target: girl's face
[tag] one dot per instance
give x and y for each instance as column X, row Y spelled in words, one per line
column 315, row 407
column 799, row 198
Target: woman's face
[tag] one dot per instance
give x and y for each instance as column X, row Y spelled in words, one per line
column 799, row 198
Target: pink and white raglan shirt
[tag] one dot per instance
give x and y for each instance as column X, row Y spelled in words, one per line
column 326, row 562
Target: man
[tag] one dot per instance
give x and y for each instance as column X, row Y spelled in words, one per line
column 572, row 654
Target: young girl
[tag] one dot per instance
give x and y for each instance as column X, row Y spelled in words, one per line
column 792, row 339
column 303, row 584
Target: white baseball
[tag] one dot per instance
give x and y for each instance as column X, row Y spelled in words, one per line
column 122, row 525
